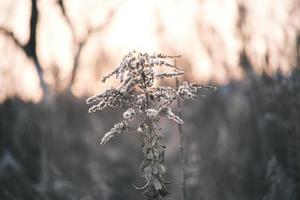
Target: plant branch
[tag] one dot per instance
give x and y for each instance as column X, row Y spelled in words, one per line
column 11, row 35
column 139, row 75
column 81, row 43
column 30, row 47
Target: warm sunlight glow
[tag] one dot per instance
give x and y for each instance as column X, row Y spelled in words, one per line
column 93, row 36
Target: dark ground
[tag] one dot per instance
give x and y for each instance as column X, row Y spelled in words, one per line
column 243, row 143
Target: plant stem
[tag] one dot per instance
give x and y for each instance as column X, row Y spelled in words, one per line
column 150, row 192
column 181, row 150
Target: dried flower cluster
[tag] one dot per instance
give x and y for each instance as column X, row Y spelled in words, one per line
column 118, row 128
column 146, row 105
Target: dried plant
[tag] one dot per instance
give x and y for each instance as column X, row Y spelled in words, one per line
column 145, row 104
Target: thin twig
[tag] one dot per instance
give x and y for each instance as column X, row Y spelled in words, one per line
column 181, row 149
column 30, row 47
column 81, row 43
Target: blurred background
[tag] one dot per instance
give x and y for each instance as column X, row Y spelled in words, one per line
column 242, row 141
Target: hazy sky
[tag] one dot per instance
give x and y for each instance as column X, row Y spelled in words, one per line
column 209, row 34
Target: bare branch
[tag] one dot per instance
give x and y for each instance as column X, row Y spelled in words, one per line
column 11, row 35
column 82, row 43
column 30, row 47
column 67, row 18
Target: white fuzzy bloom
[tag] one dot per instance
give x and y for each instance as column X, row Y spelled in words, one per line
column 169, row 75
column 106, row 137
column 174, row 117
column 129, row 114
column 151, row 113
column 185, row 91
column 118, row 128
column 99, row 106
column 140, row 130
column 167, row 112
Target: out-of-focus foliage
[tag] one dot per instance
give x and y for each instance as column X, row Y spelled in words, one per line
column 52, row 150
column 243, row 143
column 247, row 146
